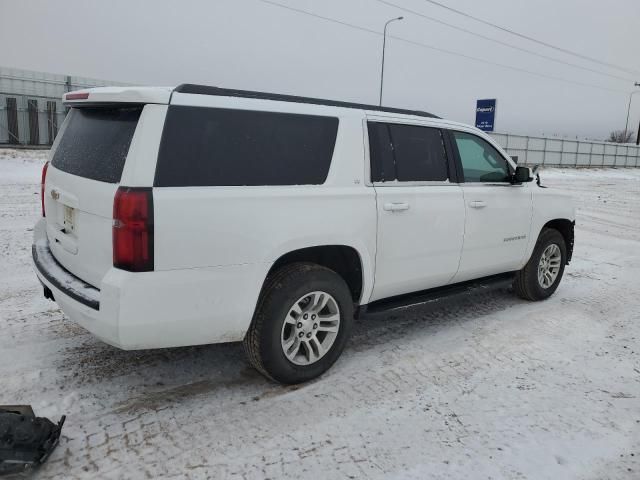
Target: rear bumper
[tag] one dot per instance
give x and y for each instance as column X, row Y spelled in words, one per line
column 155, row 309
column 61, row 279
column 81, row 302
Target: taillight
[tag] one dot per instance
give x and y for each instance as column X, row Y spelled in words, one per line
column 133, row 229
column 44, row 177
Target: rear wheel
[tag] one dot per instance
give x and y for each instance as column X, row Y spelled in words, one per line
column 301, row 324
column 541, row 275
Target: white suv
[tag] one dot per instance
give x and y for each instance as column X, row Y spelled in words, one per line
column 193, row 215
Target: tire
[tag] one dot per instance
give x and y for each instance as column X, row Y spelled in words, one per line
column 287, row 295
column 527, row 283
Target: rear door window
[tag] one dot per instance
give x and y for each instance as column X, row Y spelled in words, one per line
column 383, row 165
column 96, row 141
column 407, row 153
column 224, row 147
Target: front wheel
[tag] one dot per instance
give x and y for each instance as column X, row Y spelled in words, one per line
column 301, row 324
column 541, row 275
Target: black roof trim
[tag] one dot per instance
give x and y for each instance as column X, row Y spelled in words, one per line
column 228, row 92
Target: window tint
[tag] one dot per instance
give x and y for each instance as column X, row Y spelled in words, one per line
column 381, row 153
column 221, row 147
column 406, row 153
column 96, row 142
column 480, row 161
column 419, row 153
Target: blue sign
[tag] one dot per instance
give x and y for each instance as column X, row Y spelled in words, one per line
column 486, row 114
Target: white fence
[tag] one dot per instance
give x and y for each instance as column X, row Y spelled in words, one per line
column 31, row 109
column 558, row 152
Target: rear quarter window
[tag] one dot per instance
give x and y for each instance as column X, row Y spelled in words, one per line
column 96, row 141
column 204, row 146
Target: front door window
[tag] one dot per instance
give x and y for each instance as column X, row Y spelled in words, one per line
column 480, row 161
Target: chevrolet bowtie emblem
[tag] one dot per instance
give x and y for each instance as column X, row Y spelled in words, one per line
column 55, row 195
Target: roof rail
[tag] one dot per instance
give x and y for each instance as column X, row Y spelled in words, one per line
column 227, row 92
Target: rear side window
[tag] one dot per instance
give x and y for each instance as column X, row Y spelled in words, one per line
column 222, row 147
column 96, row 142
column 406, row 153
column 383, row 165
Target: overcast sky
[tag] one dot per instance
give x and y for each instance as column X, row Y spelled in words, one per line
column 249, row 44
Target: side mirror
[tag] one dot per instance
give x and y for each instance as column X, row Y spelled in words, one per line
column 522, row 174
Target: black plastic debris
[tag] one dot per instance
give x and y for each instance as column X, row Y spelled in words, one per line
column 26, row 441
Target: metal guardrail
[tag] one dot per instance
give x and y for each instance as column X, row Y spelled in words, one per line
column 559, row 152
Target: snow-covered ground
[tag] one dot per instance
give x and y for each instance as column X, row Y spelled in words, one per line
column 484, row 387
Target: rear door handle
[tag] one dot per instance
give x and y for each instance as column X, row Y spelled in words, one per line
column 477, row 204
column 395, row 207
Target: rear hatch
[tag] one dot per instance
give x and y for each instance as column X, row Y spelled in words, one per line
column 81, row 182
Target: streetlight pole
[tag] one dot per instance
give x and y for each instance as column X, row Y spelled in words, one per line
column 384, row 44
column 626, row 125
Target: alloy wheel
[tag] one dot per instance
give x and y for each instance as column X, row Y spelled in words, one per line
column 549, row 265
column 310, row 328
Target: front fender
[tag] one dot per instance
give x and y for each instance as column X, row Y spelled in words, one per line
column 548, row 206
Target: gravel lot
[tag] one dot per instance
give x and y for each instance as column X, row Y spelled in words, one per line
column 484, row 387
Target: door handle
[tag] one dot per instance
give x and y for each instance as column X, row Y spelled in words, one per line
column 395, row 207
column 477, row 204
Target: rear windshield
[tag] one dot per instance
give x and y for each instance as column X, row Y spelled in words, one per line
column 96, row 141
column 221, row 147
